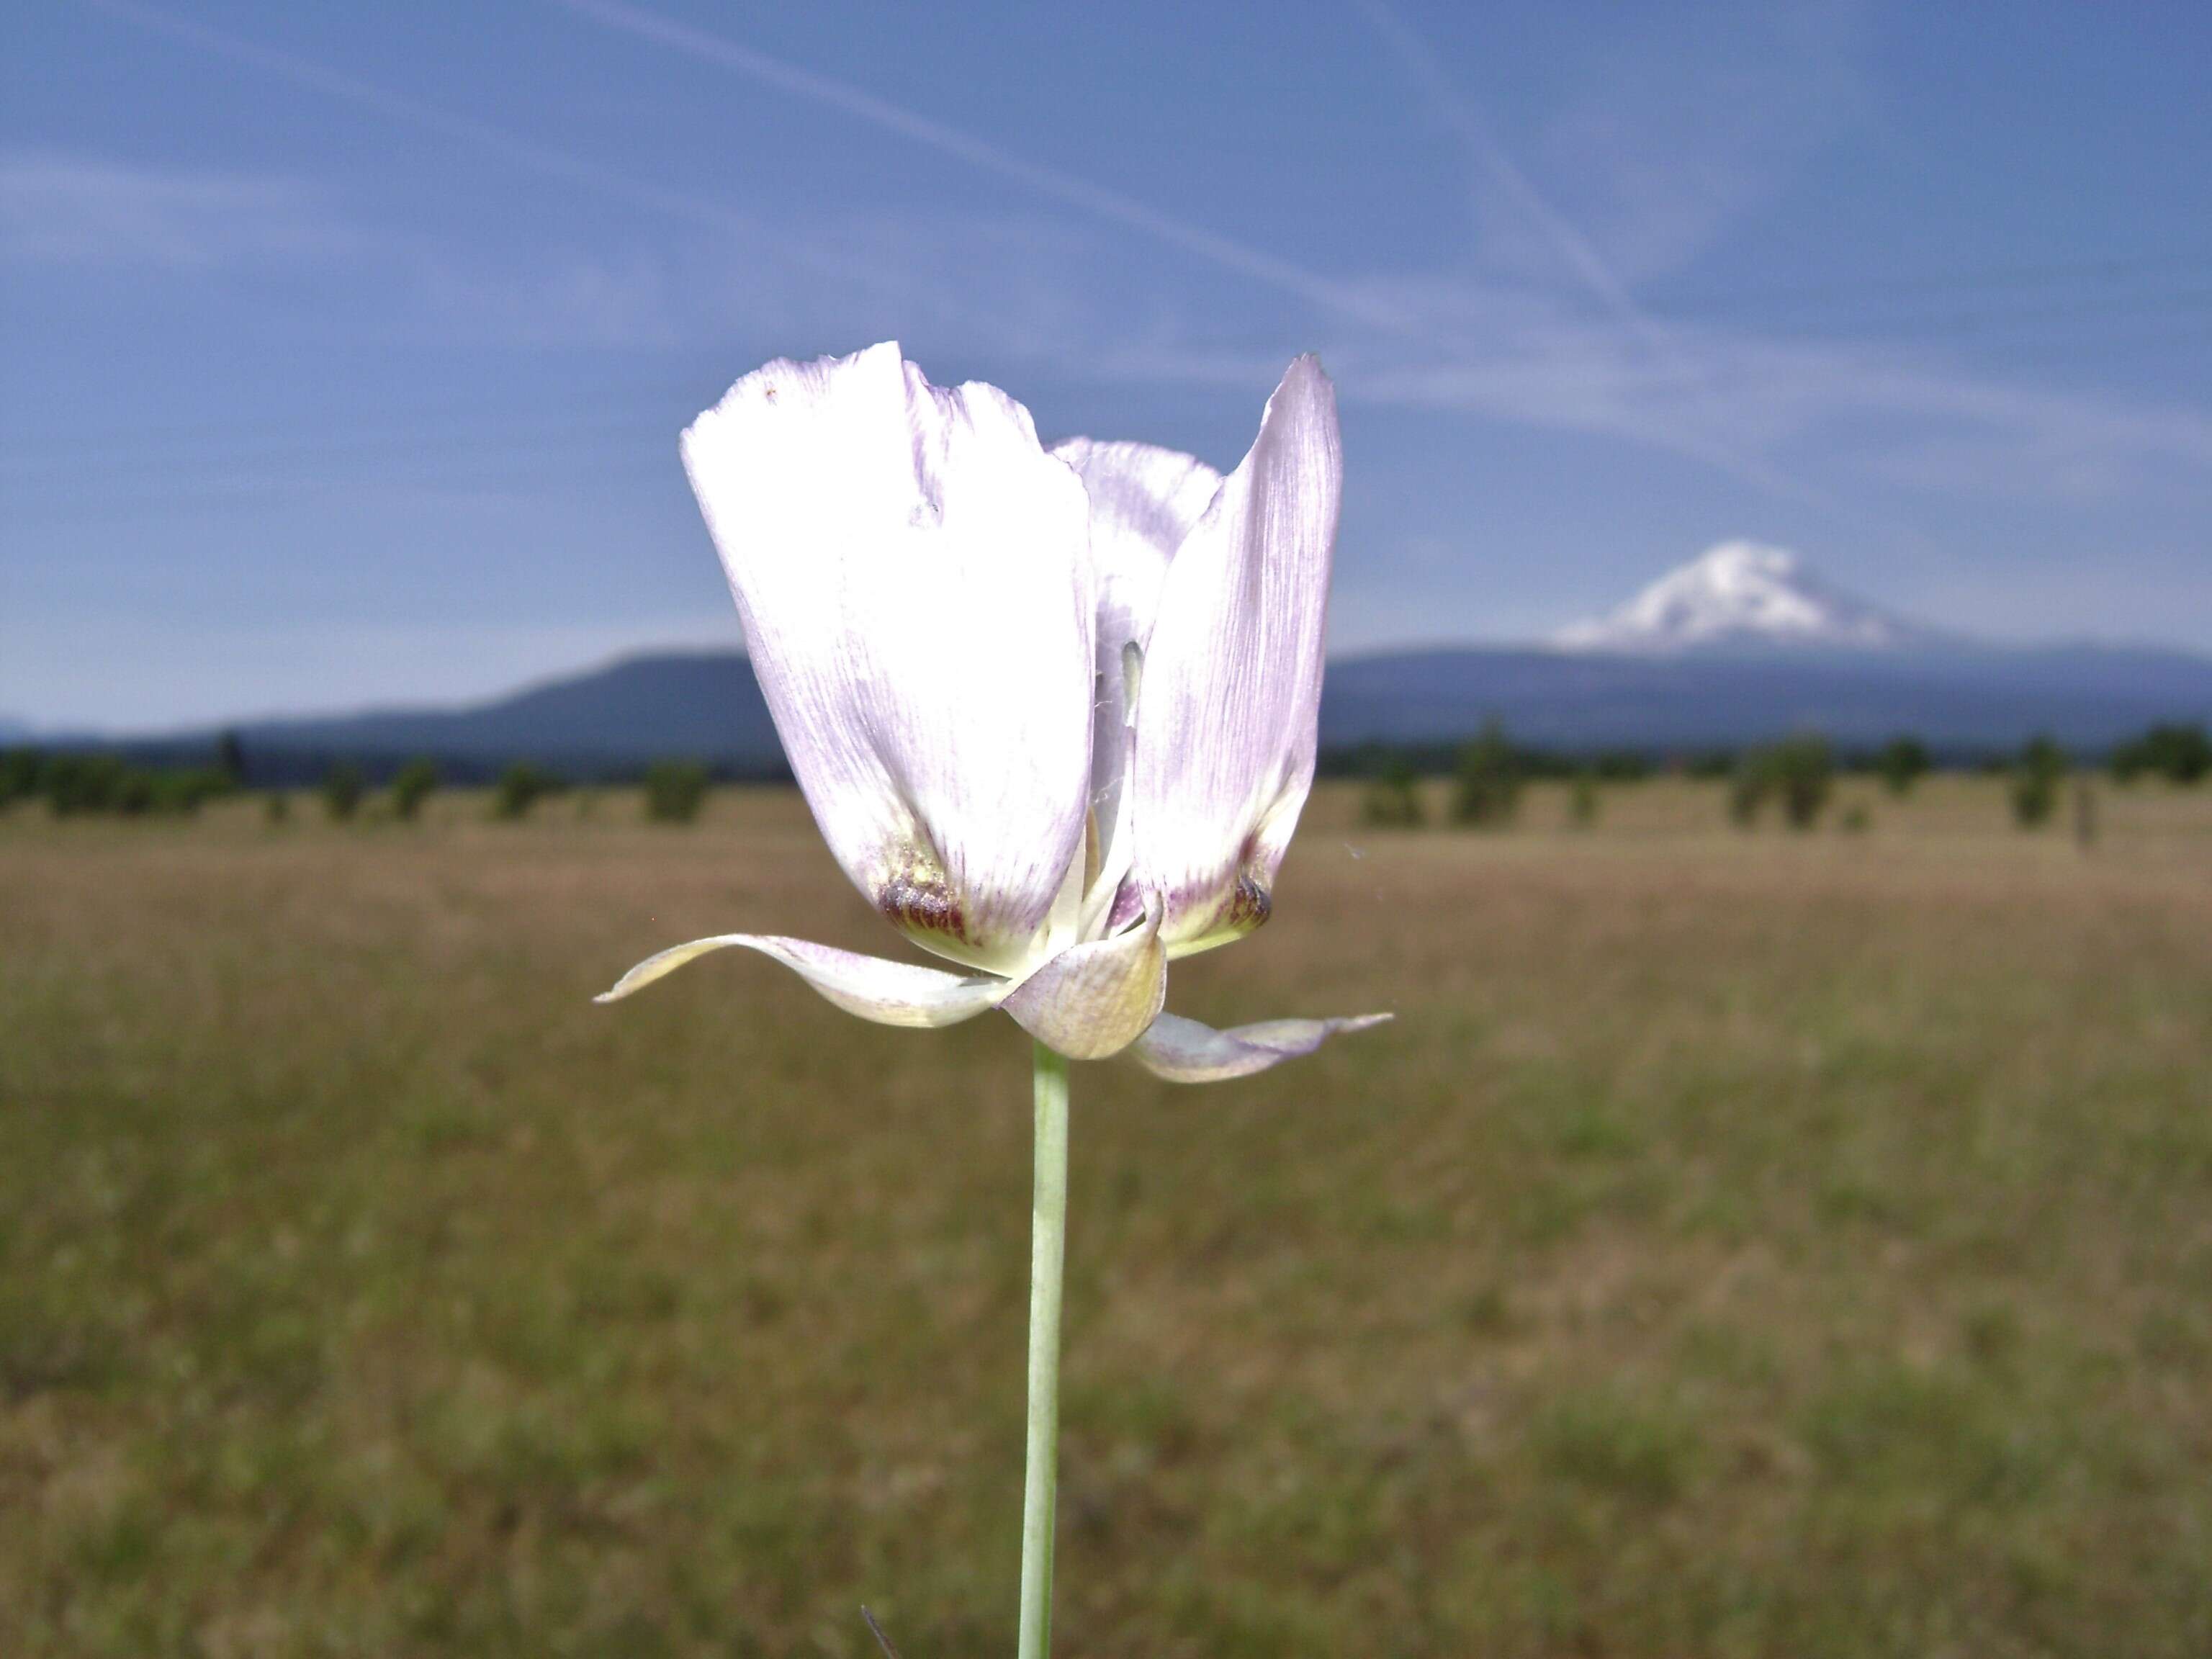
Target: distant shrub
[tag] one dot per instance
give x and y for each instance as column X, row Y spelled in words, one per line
column 18, row 774
column 674, row 790
column 411, row 786
column 1803, row 770
column 1710, row 765
column 342, row 789
column 230, row 761
column 1487, row 781
column 520, row 787
column 1582, row 800
column 134, row 795
column 2035, row 780
column 1620, row 766
column 1798, row 772
column 1392, row 799
column 78, row 784
column 1903, row 763
column 2180, row 754
column 1748, row 785
column 73, row 784
column 180, row 790
column 276, row 806
column 1856, row 819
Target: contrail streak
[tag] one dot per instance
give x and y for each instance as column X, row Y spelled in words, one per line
column 923, row 130
column 1342, row 299
column 1222, row 251
column 1460, row 114
column 1576, row 252
column 404, row 110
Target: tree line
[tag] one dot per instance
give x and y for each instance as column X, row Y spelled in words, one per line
column 1796, row 776
column 1486, row 774
column 103, row 783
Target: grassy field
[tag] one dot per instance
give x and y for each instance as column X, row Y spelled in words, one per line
column 1741, row 1244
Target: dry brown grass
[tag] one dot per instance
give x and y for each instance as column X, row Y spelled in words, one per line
column 1757, row 1244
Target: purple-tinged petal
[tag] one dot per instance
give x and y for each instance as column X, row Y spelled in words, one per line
column 1183, row 1051
column 1093, row 1000
column 910, row 568
column 889, row 993
column 1232, row 692
column 1143, row 502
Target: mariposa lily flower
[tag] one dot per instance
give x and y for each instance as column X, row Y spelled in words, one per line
column 1054, row 711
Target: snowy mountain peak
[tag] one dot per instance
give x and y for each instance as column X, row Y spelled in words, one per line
column 1741, row 594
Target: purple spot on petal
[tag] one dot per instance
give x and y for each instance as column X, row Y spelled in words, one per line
column 922, row 901
column 1247, row 906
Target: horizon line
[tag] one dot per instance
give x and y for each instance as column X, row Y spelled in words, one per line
column 17, row 731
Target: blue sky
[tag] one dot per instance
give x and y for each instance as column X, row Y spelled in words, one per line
column 343, row 349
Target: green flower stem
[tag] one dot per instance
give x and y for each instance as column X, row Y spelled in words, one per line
column 1048, row 1253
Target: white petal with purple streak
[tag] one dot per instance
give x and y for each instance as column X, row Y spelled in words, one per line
column 911, row 569
column 1225, row 731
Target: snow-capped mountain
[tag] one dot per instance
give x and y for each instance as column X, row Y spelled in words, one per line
column 1741, row 594
column 1742, row 644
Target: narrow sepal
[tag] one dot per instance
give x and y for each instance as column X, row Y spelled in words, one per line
column 1183, row 1051
column 888, row 993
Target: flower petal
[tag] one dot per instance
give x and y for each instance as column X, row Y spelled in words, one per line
column 1183, row 1051
column 1092, row 1000
column 1225, row 727
column 889, row 993
column 1143, row 502
column 910, row 565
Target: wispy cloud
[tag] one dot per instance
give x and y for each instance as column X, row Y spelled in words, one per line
column 543, row 160
column 1769, row 397
column 1053, row 184
column 623, row 299
column 62, row 212
column 1489, row 161
column 1686, row 119
column 74, row 211
column 1535, row 354
column 1576, row 352
column 1586, row 268
column 1367, row 306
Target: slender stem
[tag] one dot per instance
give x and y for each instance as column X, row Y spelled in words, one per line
column 1048, row 1252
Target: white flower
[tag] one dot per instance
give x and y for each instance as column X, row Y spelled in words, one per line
column 1054, row 712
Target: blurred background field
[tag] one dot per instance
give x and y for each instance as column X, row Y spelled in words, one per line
column 1743, row 1243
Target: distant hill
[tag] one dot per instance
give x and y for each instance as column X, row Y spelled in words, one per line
column 1966, row 700
column 614, row 720
column 1740, row 645
column 606, row 721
